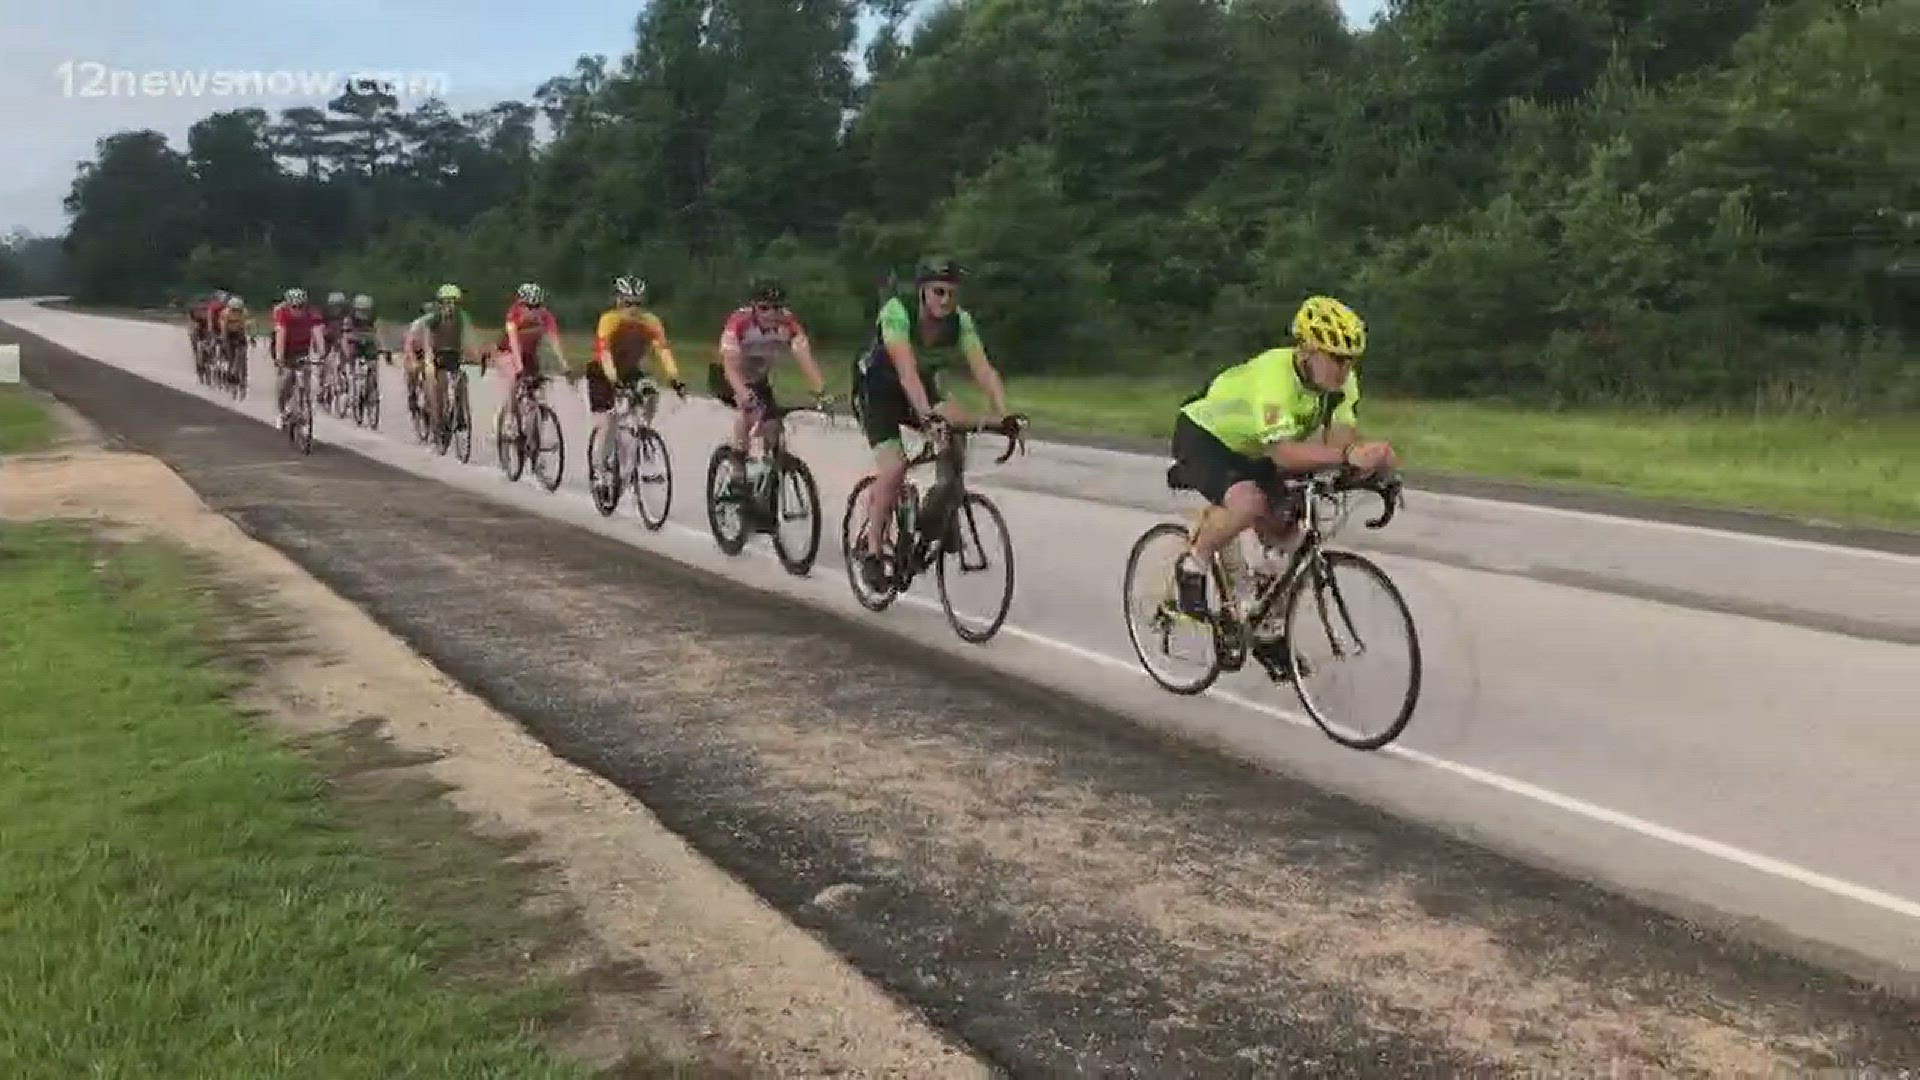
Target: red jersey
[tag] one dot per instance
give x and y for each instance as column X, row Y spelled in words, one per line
column 531, row 324
column 300, row 323
column 760, row 345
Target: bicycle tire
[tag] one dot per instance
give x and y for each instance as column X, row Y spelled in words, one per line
column 301, row 430
column 849, row 543
column 731, row 545
column 370, row 400
column 1408, row 702
column 547, row 426
column 1214, row 667
column 606, row 497
column 651, row 446
column 510, row 448
column 974, row 500
column 801, row 564
column 462, row 421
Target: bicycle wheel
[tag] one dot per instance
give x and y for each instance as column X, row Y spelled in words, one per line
column 370, row 399
column 507, row 441
column 602, row 483
column 1329, row 618
column 549, row 447
column 1153, row 614
column 462, row 421
column 652, row 478
column 726, row 511
column 852, row 524
column 970, row 548
column 417, row 409
column 796, row 494
column 300, row 429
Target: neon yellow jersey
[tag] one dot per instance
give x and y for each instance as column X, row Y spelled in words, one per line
column 1263, row 401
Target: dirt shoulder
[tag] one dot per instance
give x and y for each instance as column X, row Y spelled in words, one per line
column 670, row 948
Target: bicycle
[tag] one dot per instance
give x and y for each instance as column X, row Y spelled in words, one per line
column 298, row 421
column 639, row 453
column 916, row 542
column 232, row 367
column 366, row 381
column 454, row 426
column 515, row 444
column 417, row 402
column 1241, row 628
column 752, row 491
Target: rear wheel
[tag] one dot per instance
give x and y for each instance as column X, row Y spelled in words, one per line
column 852, row 526
column 1154, row 617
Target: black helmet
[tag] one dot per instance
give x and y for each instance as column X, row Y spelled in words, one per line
column 937, row 268
column 767, row 290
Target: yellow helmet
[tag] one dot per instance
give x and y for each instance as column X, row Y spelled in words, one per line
column 1326, row 323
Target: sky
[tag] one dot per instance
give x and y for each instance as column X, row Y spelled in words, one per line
column 78, row 70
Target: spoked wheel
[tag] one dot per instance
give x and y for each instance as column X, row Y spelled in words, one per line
column 727, row 510
column 1339, row 611
column 977, row 545
column 370, row 398
column 417, row 408
column 549, row 448
column 852, row 525
column 1155, row 621
column 506, row 437
column 462, row 422
column 797, row 503
column 300, row 427
column 652, row 478
column 603, row 483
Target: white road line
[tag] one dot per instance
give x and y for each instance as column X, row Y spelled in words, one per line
column 1698, row 844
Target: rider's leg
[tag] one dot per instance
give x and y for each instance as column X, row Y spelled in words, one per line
column 600, row 404
column 436, row 392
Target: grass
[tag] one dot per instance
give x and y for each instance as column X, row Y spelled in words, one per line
column 24, row 422
column 1851, row 470
column 178, row 894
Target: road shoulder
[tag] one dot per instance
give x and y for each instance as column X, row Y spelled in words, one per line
column 668, row 943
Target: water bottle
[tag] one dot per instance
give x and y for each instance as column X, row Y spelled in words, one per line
column 909, row 510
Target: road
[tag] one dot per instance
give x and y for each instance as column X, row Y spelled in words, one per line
column 1717, row 722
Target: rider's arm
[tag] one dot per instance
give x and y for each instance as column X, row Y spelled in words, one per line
column 602, row 336
column 803, row 352
column 469, row 339
column 896, row 333
column 730, row 358
column 553, row 335
column 984, row 374
column 662, row 351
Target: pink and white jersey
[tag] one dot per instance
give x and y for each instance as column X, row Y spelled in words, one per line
column 760, row 345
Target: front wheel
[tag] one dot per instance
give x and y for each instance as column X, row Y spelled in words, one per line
column 462, row 422
column 1151, row 595
column 370, row 399
column 1323, row 638
column 603, row 482
column 652, row 478
column 727, row 500
column 976, row 543
column 506, row 437
column 549, row 448
column 796, row 500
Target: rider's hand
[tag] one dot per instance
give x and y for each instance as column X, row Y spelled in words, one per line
column 679, row 388
column 1370, row 456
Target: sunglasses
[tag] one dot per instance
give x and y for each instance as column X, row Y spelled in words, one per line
column 943, row 292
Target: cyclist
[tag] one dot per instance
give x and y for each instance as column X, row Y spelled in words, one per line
column 334, row 317
column 1236, row 440
column 529, row 321
column 413, row 348
column 626, row 335
column 200, row 319
column 361, row 333
column 448, row 333
column 754, row 337
column 294, row 324
column 234, row 328
column 898, row 381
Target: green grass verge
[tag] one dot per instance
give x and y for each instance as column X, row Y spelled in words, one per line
column 1854, row 470
column 177, row 895
column 25, row 424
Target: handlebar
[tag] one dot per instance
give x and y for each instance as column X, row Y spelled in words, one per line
column 1012, row 427
column 1390, row 488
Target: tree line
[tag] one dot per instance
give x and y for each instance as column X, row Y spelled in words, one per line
column 1643, row 201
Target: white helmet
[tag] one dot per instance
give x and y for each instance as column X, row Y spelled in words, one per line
column 336, row 297
column 363, row 302
column 234, row 303
column 628, row 287
column 296, row 296
column 531, row 295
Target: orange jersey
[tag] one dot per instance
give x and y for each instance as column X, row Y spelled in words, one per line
column 628, row 335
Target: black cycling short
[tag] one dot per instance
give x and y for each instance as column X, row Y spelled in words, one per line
column 722, row 390
column 884, row 408
column 600, row 391
column 447, row 359
column 1210, row 466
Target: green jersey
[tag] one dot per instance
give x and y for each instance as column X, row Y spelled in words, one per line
column 936, row 346
column 1263, row 401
